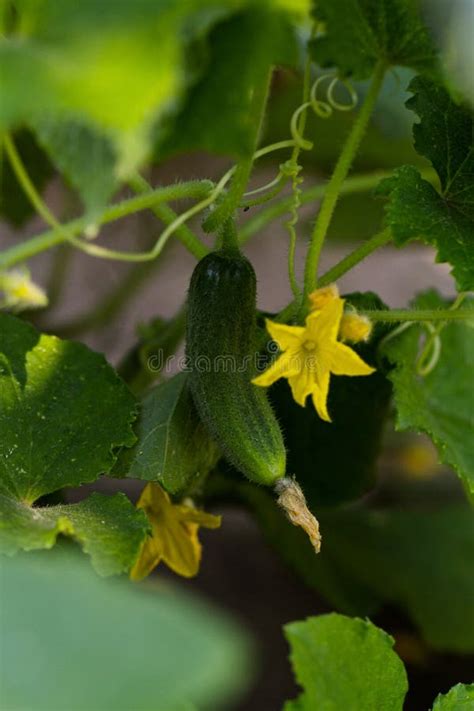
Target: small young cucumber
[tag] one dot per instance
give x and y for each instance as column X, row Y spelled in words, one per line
column 221, row 355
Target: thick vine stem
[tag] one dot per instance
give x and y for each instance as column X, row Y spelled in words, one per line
column 418, row 315
column 46, row 240
column 338, row 177
column 358, row 255
column 167, row 215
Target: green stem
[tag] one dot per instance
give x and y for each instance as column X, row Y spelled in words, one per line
column 350, row 261
column 418, row 315
column 167, row 215
column 232, row 199
column 338, row 177
column 196, row 189
column 353, row 185
column 228, row 235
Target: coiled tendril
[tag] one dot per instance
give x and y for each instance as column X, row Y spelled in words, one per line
column 322, row 108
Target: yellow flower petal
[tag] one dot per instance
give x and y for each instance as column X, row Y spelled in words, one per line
column 323, row 326
column 345, row 361
column 191, row 515
column 320, row 392
column 286, row 365
column 174, row 538
column 301, row 386
column 285, row 336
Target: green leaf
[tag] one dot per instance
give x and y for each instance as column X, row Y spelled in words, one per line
column 241, row 54
column 345, row 663
column 415, row 209
column 63, row 412
column 173, row 447
column 335, row 462
column 416, row 560
column 14, row 205
column 109, row 529
column 77, row 642
column 459, row 698
column 85, row 157
column 118, row 68
column 357, row 34
column 440, row 403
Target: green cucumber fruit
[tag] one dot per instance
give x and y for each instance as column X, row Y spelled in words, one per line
column 221, row 357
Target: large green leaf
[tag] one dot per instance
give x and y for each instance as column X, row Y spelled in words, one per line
column 356, row 34
column 63, row 412
column 73, row 641
column 345, row 663
column 459, row 698
column 118, row 67
column 415, row 209
column 441, row 404
column 173, row 447
column 86, row 158
column 335, row 462
column 416, row 560
column 109, row 529
column 222, row 112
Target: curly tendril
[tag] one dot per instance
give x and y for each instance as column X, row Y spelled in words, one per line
column 322, row 108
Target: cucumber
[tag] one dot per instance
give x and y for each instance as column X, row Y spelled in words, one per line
column 221, row 356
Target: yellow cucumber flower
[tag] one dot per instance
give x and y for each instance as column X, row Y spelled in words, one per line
column 310, row 354
column 174, row 538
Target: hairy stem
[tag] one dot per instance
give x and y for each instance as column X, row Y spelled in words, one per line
column 338, row 177
column 419, row 315
column 359, row 254
column 167, row 215
column 196, row 189
column 353, row 185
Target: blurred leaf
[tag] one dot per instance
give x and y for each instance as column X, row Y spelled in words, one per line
column 416, row 210
column 77, row 642
column 14, row 205
column 335, row 462
column 345, row 663
column 241, row 54
column 86, row 158
column 109, row 529
column 61, row 402
column 173, row 448
column 459, row 698
column 356, row 34
column 117, row 68
column 441, row 404
column 416, row 560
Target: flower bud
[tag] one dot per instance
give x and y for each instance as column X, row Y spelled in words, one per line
column 355, row 328
column 321, row 297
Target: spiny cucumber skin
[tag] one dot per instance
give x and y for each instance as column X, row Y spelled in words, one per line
column 221, row 328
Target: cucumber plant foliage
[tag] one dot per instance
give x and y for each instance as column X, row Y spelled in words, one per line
column 292, row 414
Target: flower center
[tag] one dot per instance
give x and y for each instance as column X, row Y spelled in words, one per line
column 309, row 345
